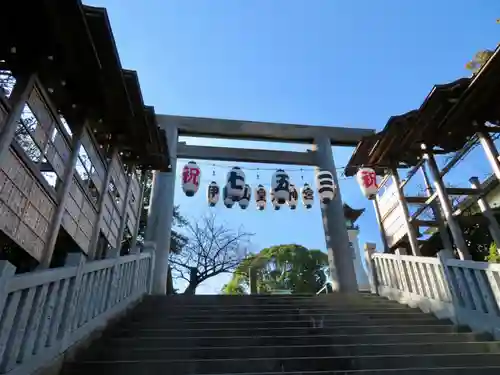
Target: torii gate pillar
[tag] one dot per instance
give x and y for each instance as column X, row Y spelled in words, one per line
column 340, row 257
column 160, row 214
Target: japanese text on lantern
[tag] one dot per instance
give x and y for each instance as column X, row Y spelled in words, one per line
column 369, row 179
column 191, row 175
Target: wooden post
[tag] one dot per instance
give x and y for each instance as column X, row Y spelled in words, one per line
column 100, row 207
column 443, row 229
column 139, row 212
column 491, row 152
column 18, row 98
column 485, row 208
column 410, row 230
column 455, row 229
column 123, row 213
column 62, row 195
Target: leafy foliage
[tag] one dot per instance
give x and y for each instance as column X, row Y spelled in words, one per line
column 493, row 256
column 479, row 59
column 292, row 267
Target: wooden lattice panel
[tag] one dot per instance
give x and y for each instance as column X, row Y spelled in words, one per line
column 25, row 208
column 110, row 223
column 79, row 216
column 392, row 216
column 99, row 171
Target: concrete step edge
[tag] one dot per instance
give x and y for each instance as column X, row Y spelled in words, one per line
column 166, row 361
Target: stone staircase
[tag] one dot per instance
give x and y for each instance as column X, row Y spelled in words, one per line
column 327, row 334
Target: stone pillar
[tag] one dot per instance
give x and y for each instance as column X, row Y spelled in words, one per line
column 455, row 229
column 337, row 239
column 485, row 208
column 491, row 152
column 443, row 229
column 380, row 224
column 18, row 98
column 361, row 276
column 62, row 194
column 410, row 229
column 372, row 275
column 160, row 215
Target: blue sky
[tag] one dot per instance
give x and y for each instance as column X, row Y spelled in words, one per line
column 324, row 62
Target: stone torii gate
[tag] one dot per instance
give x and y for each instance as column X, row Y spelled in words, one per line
column 321, row 139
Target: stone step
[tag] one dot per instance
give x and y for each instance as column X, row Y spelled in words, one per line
column 168, row 353
column 318, row 321
column 268, row 311
column 284, row 331
column 259, row 365
column 290, row 340
column 290, row 315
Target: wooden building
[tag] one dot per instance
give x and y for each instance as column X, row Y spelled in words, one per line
column 75, row 134
column 451, row 117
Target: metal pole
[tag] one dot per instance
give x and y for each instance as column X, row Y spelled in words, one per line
column 380, row 224
column 490, row 151
column 18, row 98
column 455, row 229
column 485, row 208
column 443, row 229
column 160, row 215
column 336, row 236
column 410, row 230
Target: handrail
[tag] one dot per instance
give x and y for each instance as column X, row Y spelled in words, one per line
column 325, row 287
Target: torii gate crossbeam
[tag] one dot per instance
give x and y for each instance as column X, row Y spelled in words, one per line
column 321, row 139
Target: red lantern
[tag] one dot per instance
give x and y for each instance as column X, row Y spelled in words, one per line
column 191, row 175
column 367, row 180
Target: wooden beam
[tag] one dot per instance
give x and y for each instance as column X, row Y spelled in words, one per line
column 463, row 191
column 261, row 131
column 185, row 151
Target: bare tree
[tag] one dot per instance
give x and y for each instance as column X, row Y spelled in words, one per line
column 212, row 249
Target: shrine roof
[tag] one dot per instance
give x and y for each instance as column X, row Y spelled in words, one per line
column 352, row 213
column 72, row 49
column 450, row 114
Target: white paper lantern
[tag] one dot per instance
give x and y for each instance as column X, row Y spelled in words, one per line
column 228, row 200
column 280, row 184
column 294, row 197
column 260, row 197
column 307, row 195
column 235, row 183
column 213, row 193
column 325, row 185
column 191, row 175
column 367, row 180
column 274, row 201
column 245, row 199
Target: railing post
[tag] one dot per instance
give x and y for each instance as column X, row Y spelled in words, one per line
column 113, row 286
column 402, row 274
column 150, row 247
column 7, row 270
column 135, row 277
column 77, row 260
column 370, row 265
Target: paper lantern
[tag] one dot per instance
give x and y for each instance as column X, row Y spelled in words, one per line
column 228, row 200
column 307, row 195
column 367, row 180
column 274, row 201
column 294, row 197
column 235, row 183
column 260, row 197
column 280, row 185
column 213, row 193
column 245, row 199
column 325, row 185
column 191, row 175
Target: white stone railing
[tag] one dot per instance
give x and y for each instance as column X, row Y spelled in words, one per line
column 466, row 292
column 46, row 312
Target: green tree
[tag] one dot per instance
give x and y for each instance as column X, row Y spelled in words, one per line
column 292, row 267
